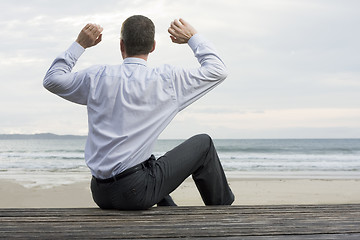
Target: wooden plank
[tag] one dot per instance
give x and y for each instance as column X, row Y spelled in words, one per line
column 249, row 222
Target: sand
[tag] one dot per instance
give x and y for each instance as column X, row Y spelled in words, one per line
column 248, row 191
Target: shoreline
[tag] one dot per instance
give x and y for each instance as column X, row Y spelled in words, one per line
column 318, row 175
column 248, row 191
column 47, row 179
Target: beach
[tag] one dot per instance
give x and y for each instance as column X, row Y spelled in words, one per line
column 50, row 171
column 248, row 191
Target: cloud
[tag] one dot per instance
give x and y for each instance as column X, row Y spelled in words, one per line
column 274, row 118
column 285, row 58
column 272, row 123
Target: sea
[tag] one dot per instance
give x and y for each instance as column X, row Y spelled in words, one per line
column 46, row 160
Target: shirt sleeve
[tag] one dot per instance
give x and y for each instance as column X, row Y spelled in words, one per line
column 59, row 79
column 192, row 84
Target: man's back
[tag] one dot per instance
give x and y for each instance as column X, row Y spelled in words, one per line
column 126, row 101
column 129, row 105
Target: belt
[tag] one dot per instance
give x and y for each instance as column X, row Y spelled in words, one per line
column 125, row 173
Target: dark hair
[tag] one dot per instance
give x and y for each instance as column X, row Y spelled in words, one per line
column 137, row 33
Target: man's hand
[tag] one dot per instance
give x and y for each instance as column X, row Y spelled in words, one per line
column 181, row 31
column 90, row 35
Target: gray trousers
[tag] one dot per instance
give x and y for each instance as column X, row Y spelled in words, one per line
column 141, row 190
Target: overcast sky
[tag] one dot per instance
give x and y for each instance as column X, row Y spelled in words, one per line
column 294, row 64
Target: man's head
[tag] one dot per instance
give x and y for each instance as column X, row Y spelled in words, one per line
column 137, row 36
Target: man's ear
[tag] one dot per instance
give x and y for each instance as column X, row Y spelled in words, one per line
column 122, row 49
column 153, row 47
column 122, row 46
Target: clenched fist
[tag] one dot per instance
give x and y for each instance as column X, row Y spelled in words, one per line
column 90, row 35
column 181, row 31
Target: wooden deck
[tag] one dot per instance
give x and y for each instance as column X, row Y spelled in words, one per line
column 235, row 222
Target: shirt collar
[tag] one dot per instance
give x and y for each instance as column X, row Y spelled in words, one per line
column 133, row 60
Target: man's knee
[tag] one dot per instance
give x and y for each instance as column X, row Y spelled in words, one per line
column 204, row 141
column 203, row 137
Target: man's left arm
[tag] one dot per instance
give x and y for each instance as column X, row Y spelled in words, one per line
column 60, row 80
column 191, row 84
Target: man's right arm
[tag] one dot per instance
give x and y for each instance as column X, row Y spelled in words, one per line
column 59, row 79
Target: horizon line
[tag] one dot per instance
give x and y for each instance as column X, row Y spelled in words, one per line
column 54, row 135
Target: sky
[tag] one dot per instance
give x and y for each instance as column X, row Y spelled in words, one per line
column 294, row 65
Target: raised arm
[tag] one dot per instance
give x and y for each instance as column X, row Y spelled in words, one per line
column 191, row 84
column 59, row 79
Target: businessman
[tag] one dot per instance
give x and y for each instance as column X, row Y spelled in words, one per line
column 130, row 104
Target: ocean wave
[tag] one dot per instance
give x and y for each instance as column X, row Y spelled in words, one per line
column 263, row 165
column 236, row 155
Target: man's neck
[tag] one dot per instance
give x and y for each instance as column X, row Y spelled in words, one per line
column 142, row 56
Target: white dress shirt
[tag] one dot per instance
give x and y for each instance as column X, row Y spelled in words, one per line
column 129, row 105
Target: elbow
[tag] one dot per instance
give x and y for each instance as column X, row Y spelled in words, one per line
column 215, row 74
column 47, row 83
column 223, row 74
column 51, row 83
column 220, row 73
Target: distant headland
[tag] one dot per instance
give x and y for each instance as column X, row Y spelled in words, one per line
column 39, row 136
